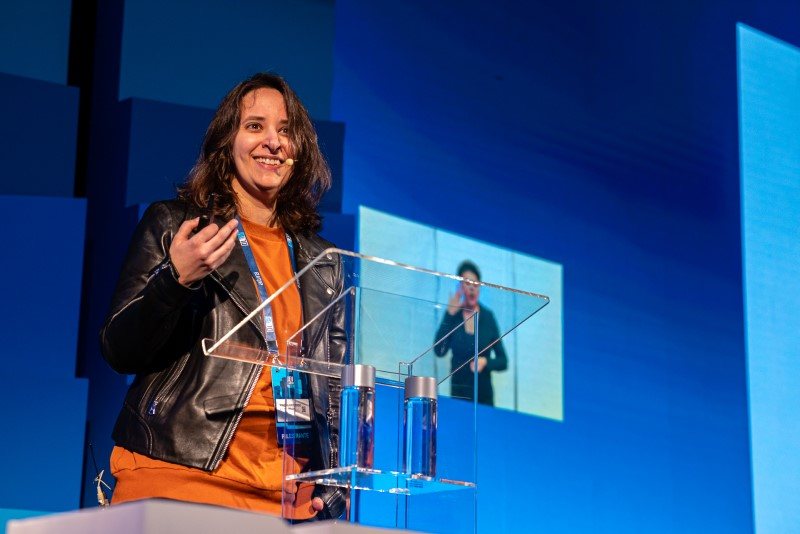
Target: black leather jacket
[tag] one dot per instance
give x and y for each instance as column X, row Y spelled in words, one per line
column 183, row 407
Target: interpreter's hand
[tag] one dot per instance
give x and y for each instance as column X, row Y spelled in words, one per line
column 194, row 256
column 482, row 361
column 454, row 304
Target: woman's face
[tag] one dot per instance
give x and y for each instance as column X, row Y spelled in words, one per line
column 471, row 291
column 262, row 145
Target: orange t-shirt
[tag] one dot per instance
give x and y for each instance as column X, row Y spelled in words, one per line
column 251, row 473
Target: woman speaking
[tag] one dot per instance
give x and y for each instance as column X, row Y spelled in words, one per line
column 204, row 429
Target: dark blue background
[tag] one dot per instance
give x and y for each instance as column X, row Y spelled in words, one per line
column 600, row 135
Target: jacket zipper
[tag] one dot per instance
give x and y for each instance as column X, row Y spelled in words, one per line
column 149, row 396
column 151, row 404
column 330, row 406
column 166, row 387
column 231, row 430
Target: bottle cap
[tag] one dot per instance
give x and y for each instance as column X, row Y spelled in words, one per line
column 358, row 375
column 421, row 386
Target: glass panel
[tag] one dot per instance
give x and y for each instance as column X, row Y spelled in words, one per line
column 395, row 317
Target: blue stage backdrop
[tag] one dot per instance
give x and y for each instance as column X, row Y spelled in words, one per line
column 602, row 138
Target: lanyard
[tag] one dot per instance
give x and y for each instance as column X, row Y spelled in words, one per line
column 269, row 325
column 289, row 387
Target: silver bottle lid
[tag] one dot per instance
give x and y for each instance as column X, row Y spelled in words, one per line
column 421, row 386
column 358, row 375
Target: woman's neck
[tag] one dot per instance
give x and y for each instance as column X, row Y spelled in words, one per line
column 253, row 209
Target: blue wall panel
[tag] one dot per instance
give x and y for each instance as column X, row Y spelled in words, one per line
column 34, row 39
column 43, row 404
column 39, row 126
column 191, row 52
column 43, row 470
column 42, row 288
column 164, row 142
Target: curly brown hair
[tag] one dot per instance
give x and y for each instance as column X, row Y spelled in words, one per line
column 212, row 174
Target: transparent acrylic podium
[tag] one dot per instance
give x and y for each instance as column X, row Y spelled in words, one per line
column 404, row 321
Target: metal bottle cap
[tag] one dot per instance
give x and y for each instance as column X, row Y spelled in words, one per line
column 421, row 386
column 358, row 375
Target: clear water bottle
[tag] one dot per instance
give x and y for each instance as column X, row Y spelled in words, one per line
column 357, row 416
column 419, row 426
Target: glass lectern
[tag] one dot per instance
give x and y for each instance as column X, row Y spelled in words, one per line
column 404, row 321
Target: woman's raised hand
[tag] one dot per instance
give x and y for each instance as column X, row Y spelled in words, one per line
column 454, row 304
column 194, row 256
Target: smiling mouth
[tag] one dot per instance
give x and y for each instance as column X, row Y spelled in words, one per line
column 268, row 161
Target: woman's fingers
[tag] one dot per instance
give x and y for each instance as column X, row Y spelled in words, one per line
column 218, row 256
column 217, row 239
column 213, row 242
column 184, row 232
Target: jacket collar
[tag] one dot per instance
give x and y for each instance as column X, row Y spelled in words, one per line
column 306, row 249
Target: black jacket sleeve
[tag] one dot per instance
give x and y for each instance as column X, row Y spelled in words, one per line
column 148, row 300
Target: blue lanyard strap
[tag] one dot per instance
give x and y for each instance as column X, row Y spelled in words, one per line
column 269, row 325
column 289, row 387
column 290, row 245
